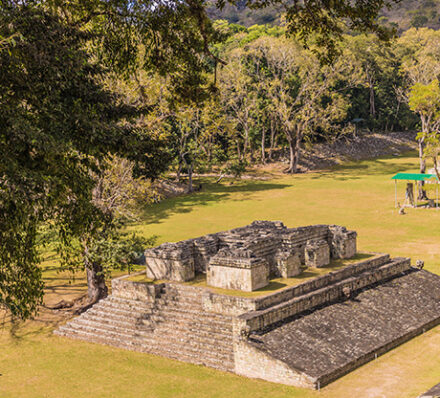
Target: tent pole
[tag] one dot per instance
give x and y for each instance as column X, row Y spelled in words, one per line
column 436, row 194
column 395, row 193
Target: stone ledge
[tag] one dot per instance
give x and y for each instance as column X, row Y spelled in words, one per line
column 333, row 340
column 262, row 319
column 121, row 287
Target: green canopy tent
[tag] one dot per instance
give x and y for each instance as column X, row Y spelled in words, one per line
column 415, row 177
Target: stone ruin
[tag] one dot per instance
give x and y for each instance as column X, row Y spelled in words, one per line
column 307, row 334
column 244, row 258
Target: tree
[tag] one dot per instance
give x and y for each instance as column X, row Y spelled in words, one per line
column 104, row 246
column 419, row 50
column 424, row 99
column 57, row 124
column 303, row 93
column 239, row 98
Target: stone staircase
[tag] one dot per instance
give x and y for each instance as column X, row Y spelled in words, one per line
column 173, row 325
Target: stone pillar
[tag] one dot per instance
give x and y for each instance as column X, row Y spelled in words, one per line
column 317, row 253
column 288, row 264
column 171, row 261
column 342, row 242
column 237, row 269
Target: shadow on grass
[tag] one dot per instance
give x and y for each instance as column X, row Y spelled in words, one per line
column 379, row 166
column 211, row 193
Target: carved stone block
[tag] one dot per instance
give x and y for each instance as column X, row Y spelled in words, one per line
column 317, row 253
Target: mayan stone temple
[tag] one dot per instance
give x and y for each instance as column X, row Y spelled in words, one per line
column 297, row 306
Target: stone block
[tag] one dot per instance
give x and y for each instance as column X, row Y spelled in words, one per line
column 237, row 270
column 204, row 248
column 171, row 261
column 288, row 264
column 317, row 253
column 342, row 242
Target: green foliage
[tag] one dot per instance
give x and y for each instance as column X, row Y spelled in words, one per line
column 419, row 21
column 236, row 167
column 110, row 247
column 57, row 124
column 398, row 17
column 425, row 99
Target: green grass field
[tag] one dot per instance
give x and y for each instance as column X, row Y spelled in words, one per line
column 34, row 363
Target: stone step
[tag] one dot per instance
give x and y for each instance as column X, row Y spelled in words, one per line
column 162, row 299
column 171, row 330
column 131, row 305
column 166, row 314
column 121, row 311
column 218, row 319
column 149, row 332
column 179, row 352
column 172, row 341
column 112, row 319
column 151, row 324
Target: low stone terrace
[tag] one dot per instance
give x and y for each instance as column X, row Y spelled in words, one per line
column 275, row 285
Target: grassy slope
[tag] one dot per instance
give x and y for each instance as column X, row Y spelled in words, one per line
column 360, row 196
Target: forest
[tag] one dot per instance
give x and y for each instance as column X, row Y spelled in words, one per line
column 271, row 93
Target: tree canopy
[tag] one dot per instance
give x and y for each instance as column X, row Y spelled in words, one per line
column 60, row 115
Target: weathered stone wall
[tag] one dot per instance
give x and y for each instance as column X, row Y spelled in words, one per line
column 171, row 261
column 317, row 253
column 253, row 363
column 288, row 264
column 123, row 288
column 295, row 239
column 320, row 281
column 180, row 261
column 205, row 247
column 264, row 318
column 227, row 305
column 342, row 242
column 237, row 273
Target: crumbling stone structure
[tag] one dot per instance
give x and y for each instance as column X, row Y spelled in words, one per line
column 306, row 335
column 243, row 258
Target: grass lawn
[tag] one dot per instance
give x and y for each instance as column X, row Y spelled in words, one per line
column 34, row 363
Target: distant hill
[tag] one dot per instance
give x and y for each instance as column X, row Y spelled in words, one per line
column 407, row 14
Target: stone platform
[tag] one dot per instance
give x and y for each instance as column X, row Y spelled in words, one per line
column 332, row 340
column 305, row 335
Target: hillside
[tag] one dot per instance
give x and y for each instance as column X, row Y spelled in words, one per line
column 408, row 13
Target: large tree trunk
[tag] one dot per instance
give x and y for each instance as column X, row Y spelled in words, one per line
column 263, row 148
column 296, row 152
column 372, row 101
column 96, row 287
column 179, row 170
column 422, row 193
column 294, row 147
column 291, row 156
column 190, row 180
column 246, row 141
column 272, row 137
